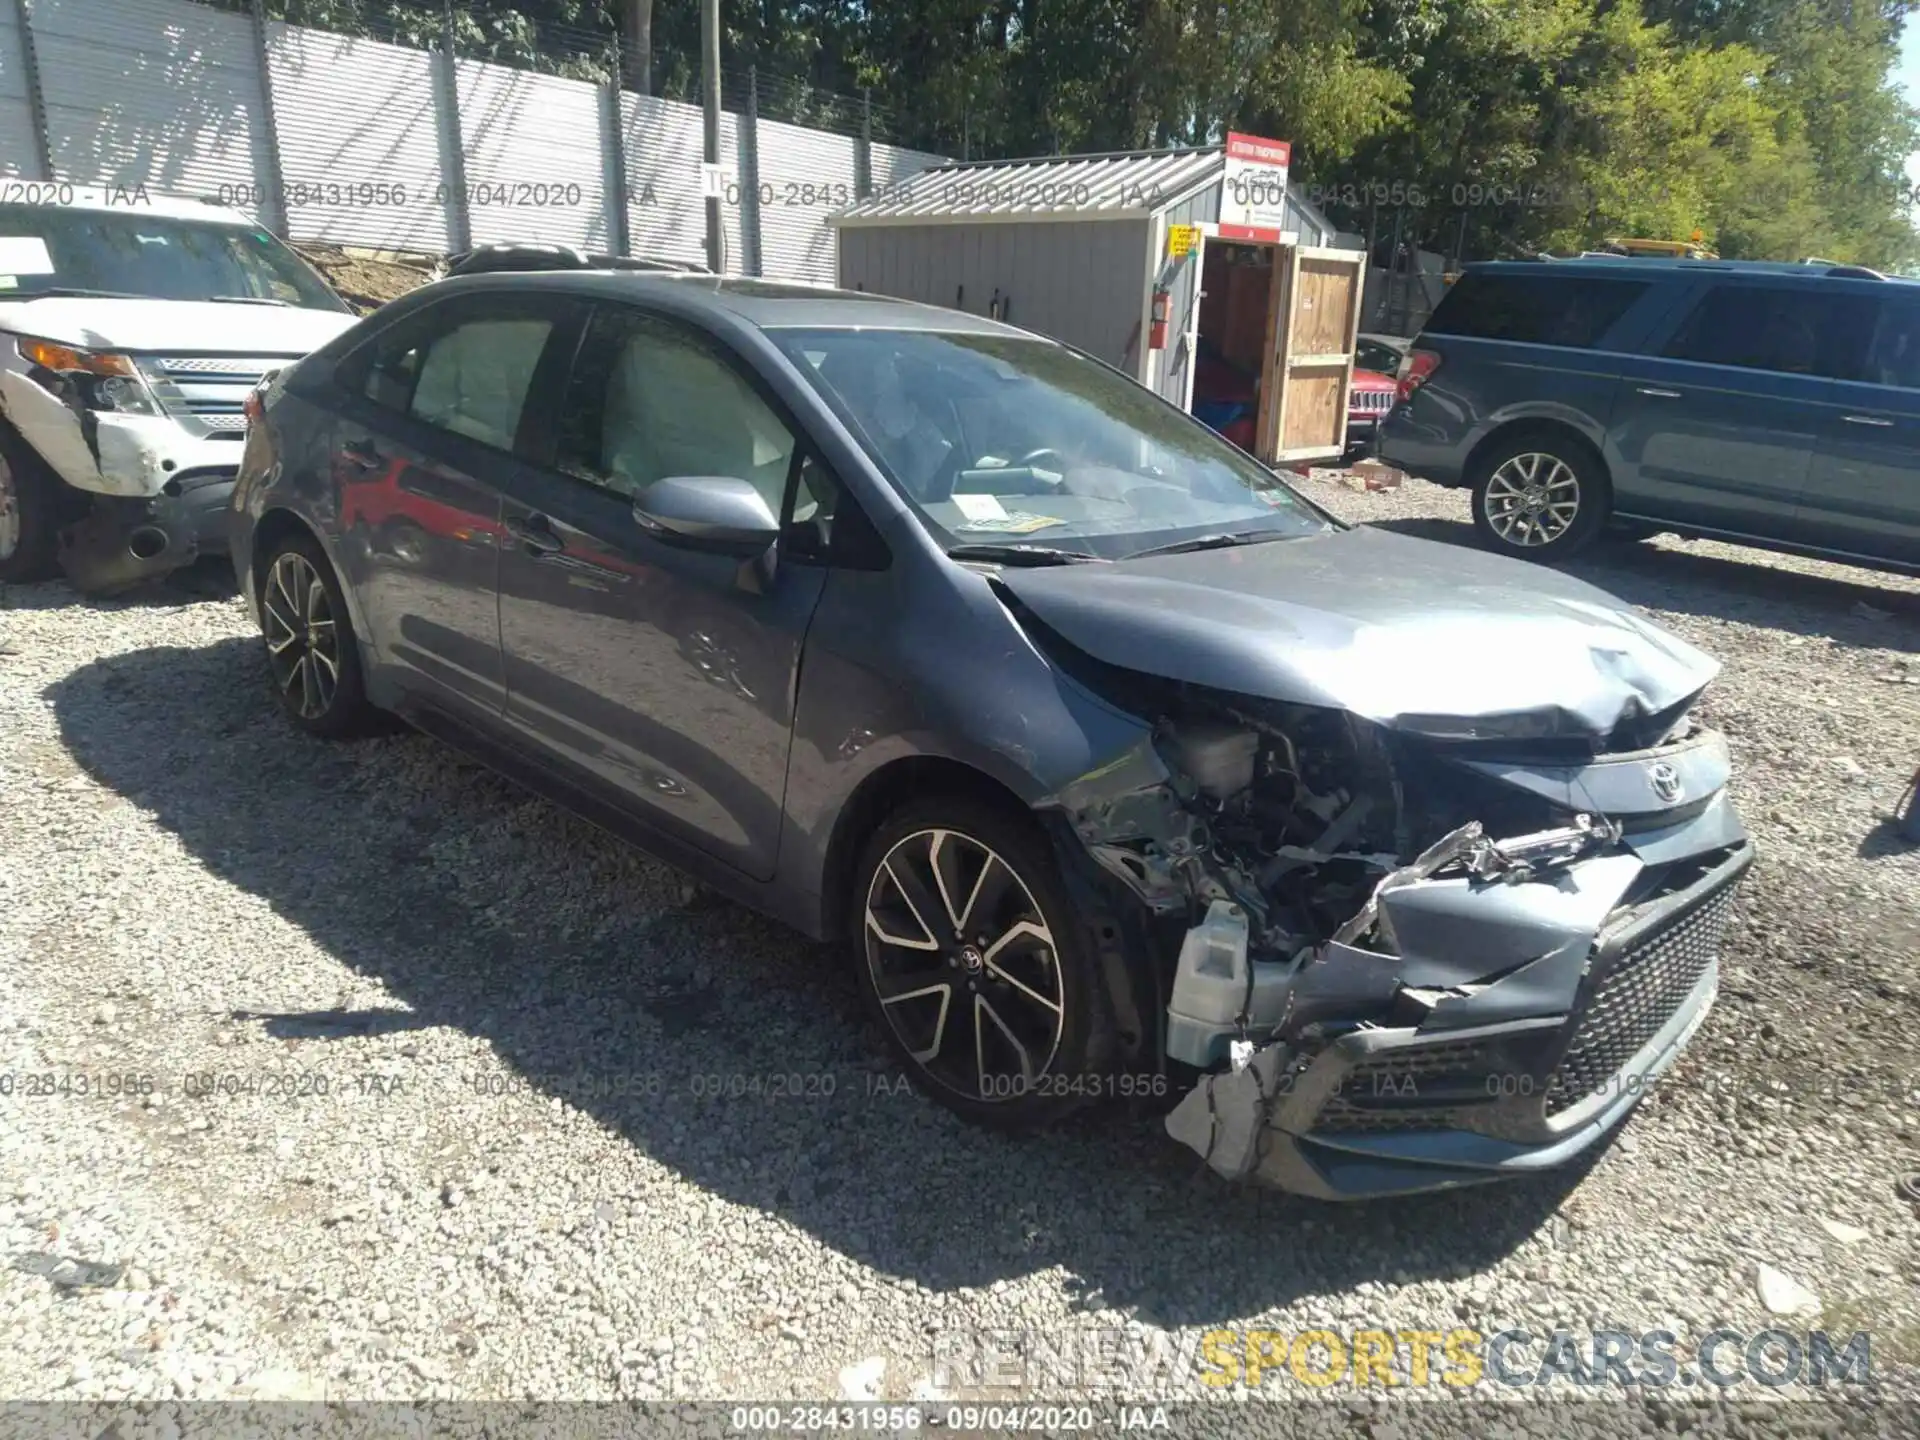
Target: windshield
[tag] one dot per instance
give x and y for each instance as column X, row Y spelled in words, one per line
column 47, row 248
column 1017, row 440
column 1376, row 356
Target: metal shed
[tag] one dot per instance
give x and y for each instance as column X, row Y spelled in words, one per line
column 1114, row 253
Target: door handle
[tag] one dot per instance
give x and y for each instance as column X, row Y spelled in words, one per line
column 535, row 532
column 363, row 454
column 1660, row 394
column 1874, row 420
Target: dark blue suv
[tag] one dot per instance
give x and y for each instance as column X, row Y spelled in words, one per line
column 1771, row 404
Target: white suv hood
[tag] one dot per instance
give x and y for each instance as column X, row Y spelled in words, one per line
column 164, row 326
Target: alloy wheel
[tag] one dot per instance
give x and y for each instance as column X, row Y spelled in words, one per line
column 1532, row 499
column 964, row 965
column 9, row 511
column 303, row 643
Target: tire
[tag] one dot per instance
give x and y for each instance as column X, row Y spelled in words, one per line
column 30, row 513
column 313, row 655
column 1540, row 496
column 947, row 1005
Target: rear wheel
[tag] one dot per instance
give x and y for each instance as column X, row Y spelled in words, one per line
column 1540, row 496
column 311, row 649
column 29, row 513
column 972, row 961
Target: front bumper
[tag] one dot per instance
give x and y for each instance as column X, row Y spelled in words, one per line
column 109, row 453
column 123, row 540
column 1590, row 998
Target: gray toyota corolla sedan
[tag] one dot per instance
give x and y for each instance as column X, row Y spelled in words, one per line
column 1118, row 767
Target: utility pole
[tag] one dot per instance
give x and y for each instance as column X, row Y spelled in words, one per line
column 710, row 103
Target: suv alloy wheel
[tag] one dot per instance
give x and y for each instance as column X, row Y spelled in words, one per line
column 1540, row 497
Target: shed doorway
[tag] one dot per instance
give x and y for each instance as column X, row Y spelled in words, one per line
column 1232, row 348
column 1273, row 346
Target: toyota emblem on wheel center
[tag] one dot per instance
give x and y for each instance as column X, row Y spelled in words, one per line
column 1666, row 782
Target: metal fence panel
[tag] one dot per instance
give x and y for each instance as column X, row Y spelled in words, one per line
column 535, row 169
column 161, row 93
column 666, row 213
column 805, row 175
column 168, row 94
column 19, row 152
column 359, row 140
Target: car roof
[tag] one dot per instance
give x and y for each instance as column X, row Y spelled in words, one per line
column 766, row 304
column 1663, row 265
column 124, row 200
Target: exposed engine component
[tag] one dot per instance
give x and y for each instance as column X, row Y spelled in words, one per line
column 1275, row 833
column 1218, row 757
column 1219, row 991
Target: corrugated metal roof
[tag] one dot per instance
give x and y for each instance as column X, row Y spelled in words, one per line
column 1126, row 185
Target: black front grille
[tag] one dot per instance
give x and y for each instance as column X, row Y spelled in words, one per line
column 1415, row 1088
column 1637, row 995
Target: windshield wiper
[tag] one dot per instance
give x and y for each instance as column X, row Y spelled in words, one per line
column 73, row 292
column 245, row 300
column 1219, row 540
column 1022, row 554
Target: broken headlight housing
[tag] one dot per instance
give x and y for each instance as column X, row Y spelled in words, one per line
column 96, row 379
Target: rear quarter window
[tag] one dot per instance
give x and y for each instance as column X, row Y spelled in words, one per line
column 1572, row 310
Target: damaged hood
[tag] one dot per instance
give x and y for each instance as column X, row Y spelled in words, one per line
column 92, row 323
column 1422, row 637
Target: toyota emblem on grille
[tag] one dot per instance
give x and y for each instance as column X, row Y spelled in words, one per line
column 1666, row 782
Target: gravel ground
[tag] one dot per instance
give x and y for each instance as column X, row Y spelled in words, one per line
column 482, row 1142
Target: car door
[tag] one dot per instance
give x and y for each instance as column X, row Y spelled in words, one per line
column 1863, row 493
column 425, row 445
column 659, row 675
column 1717, row 425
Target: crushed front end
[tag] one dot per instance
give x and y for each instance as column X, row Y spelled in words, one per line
column 1414, row 959
column 148, row 446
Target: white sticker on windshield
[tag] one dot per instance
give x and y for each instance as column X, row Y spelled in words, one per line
column 24, row 255
column 980, row 507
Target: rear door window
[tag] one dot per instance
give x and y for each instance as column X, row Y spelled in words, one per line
column 464, row 368
column 1571, row 310
column 474, row 379
column 1797, row 330
column 1894, row 356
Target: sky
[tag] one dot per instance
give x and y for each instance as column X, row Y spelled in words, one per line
column 1907, row 73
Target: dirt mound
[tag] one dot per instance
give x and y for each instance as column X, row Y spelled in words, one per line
column 367, row 282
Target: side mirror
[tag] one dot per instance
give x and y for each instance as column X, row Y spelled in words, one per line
column 707, row 512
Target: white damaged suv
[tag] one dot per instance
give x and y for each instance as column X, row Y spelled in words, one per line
column 132, row 329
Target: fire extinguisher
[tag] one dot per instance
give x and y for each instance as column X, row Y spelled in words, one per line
column 1157, row 332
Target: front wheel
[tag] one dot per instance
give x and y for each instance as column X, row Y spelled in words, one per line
column 972, row 961
column 311, row 649
column 1540, row 497
column 30, row 503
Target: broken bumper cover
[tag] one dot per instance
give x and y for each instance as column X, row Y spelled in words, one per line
column 1586, row 984
column 124, row 540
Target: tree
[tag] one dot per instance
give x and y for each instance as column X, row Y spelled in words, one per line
column 639, row 47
